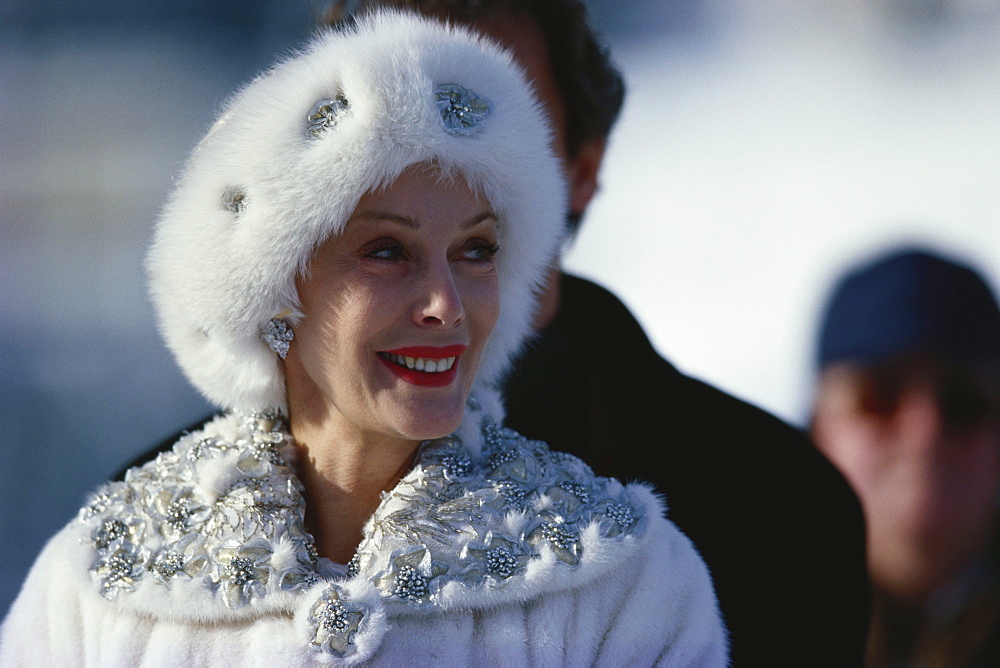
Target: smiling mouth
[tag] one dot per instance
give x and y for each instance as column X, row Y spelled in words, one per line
column 424, row 364
column 429, row 366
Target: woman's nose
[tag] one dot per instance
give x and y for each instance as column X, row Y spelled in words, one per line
column 439, row 302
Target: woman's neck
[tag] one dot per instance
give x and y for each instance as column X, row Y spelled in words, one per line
column 344, row 474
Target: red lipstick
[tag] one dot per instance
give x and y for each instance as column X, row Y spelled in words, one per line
column 393, row 360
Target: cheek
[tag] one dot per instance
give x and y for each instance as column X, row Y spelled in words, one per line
column 852, row 443
column 334, row 313
column 976, row 467
column 483, row 304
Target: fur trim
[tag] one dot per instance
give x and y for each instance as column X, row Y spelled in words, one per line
column 218, row 274
column 542, row 563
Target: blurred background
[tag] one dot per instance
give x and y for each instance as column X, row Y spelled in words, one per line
column 763, row 147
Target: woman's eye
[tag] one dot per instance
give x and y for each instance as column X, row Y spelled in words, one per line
column 481, row 251
column 386, row 251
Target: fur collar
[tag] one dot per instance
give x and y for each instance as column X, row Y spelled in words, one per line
column 213, row 531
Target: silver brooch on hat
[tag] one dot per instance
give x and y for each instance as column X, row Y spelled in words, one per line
column 235, row 199
column 461, row 109
column 325, row 114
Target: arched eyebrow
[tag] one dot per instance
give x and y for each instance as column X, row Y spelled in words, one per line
column 475, row 220
column 413, row 223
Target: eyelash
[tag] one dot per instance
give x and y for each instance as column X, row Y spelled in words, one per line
column 398, row 252
column 488, row 250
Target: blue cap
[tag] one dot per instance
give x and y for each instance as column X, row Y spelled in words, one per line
column 910, row 302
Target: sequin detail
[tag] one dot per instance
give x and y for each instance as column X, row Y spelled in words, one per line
column 461, row 109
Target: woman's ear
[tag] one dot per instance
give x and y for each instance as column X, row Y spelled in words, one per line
column 581, row 174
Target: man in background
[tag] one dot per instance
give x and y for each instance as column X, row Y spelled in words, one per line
column 908, row 407
column 780, row 530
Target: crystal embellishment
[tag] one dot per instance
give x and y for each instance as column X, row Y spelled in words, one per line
column 561, row 540
column 119, row 569
column 278, row 335
column 461, row 109
column 325, row 114
column 235, row 199
column 336, row 622
column 411, row 576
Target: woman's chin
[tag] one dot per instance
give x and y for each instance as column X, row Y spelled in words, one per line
column 422, row 423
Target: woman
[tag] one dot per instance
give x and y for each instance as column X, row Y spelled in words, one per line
column 355, row 245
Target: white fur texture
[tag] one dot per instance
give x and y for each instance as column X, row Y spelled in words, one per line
column 648, row 602
column 217, row 277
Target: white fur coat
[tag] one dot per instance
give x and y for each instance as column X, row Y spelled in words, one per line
column 502, row 553
column 492, row 550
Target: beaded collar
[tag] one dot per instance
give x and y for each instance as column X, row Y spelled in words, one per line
column 220, row 520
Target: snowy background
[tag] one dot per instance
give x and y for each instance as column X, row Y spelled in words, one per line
column 764, row 146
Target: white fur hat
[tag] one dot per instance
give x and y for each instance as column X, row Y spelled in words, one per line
column 267, row 185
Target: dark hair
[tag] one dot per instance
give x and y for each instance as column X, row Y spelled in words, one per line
column 591, row 87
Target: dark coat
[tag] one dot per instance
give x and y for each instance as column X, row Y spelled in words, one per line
column 780, row 530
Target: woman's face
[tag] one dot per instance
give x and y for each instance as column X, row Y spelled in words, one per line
column 397, row 309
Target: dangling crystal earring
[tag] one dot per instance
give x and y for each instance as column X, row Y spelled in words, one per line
column 277, row 334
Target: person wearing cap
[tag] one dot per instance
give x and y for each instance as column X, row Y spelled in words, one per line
column 908, row 407
column 347, row 265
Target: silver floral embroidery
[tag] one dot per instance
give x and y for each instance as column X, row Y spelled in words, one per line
column 562, row 541
column 621, row 514
column 242, row 572
column 412, row 576
column 495, row 559
column 492, row 435
column 125, row 526
column 461, row 109
column 336, row 622
column 325, row 114
column 516, row 495
column 354, row 566
column 453, row 500
column 447, row 523
column 168, row 564
column 110, row 531
column 184, row 558
column 177, row 512
column 619, row 518
column 579, row 490
column 156, row 524
column 119, row 569
column 251, row 507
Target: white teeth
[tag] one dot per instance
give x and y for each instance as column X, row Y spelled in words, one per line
column 424, row 364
